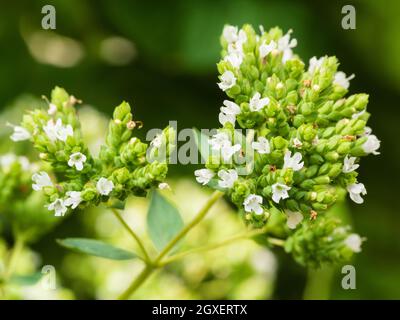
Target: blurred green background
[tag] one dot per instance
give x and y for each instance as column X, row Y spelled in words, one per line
column 161, row 57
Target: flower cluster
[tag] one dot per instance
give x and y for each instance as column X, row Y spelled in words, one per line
column 304, row 138
column 77, row 177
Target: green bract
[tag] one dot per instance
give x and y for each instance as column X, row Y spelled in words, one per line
column 79, row 178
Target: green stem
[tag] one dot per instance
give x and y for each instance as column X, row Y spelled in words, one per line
column 151, row 266
column 318, row 285
column 132, row 233
column 246, row 235
column 276, row 241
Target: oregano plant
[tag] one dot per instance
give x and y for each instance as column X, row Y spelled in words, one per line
column 288, row 150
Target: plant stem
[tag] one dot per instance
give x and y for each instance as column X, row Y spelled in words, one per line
column 132, row 233
column 200, row 216
column 246, row 235
column 151, row 266
column 318, row 285
column 276, row 241
column 142, row 277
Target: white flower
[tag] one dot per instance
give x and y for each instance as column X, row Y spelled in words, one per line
column 19, row 134
column 41, row 179
column 228, row 178
column 256, row 103
column 315, row 64
column 235, row 58
column 252, row 203
column 104, row 186
column 230, row 33
column 354, row 242
column 218, row 140
column 164, row 186
column 77, row 159
column 58, row 206
column 261, row 145
column 367, row 131
column 228, row 112
column 293, row 219
column 372, row 144
column 285, row 44
column 228, row 150
column 341, row 80
column 52, row 109
column 73, row 200
column 355, row 191
column 56, row 130
column 349, row 165
column 157, row 141
column 228, row 80
column 279, row 191
column 293, row 162
column 204, row 176
column 25, row 164
column 265, row 49
column 297, row 143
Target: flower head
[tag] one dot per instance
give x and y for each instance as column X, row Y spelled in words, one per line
column 228, row 80
column 104, row 186
column 265, row 49
column 261, row 145
column 77, row 160
column 252, row 203
column 349, row 164
column 280, row 191
column 19, row 134
column 341, row 79
column 293, row 219
column 293, row 161
column 41, row 180
column 354, row 242
column 204, row 176
column 256, row 103
column 355, row 191
column 228, row 178
column 315, row 64
column 371, row 145
column 73, row 199
column 218, row 140
column 58, row 206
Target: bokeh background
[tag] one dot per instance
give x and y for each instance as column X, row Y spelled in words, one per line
column 161, row 57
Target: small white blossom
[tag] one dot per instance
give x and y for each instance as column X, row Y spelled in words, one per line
column 228, row 150
column 340, row 79
column 157, row 141
column 228, row 112
column 164, row 186
column 355, row 191
column 293, row 162
column 57, row 130
column 285, row 44
column 218, row 140
column 41, row 179
column 204, row 176
column 52, row 109
column 315, row 64
column 77, row 159
column 230, row 33
column 367, row 131
column 228, row 80
column 372, row 144
column 58, row 206
column 19, row 134
column 279, row 191
column 104, row 186
column 234, row 57
column 73, row 199
column 224, row 118
column 256, row 103
column 354, row 242
column 297, row 143
column 261, row 145
column 228, row 178
column 349, row 164
column 252, row 203
column 265, row 49
column 293, row 219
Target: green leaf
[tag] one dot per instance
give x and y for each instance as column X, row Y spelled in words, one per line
column 163, row 220
column 26, row 280
column 96, row 248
